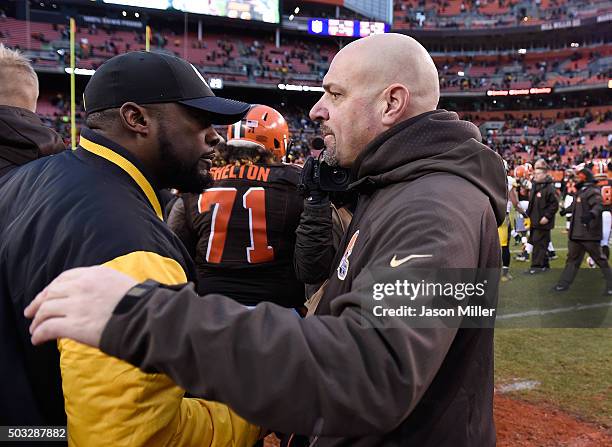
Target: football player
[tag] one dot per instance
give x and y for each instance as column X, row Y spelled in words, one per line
column 600, row 170
column 568, row 193
column 241, row 231
column 523, row 174
column 541, row 164
column 505, row 229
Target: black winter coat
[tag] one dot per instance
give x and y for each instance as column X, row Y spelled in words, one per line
column 543, row 202
column 587, row 202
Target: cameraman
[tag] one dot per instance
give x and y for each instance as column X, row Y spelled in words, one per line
column 322, row 224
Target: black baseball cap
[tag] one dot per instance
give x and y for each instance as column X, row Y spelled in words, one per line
column 151, row 78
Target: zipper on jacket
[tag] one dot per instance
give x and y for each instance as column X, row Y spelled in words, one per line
column 314, row 441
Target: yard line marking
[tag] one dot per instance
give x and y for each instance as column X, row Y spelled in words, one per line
column 518, row 386
column 558, row 310
column 556, row 249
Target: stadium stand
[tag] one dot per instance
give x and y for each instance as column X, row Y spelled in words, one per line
column 475, row 14
column 244, row 58
column 248, row 57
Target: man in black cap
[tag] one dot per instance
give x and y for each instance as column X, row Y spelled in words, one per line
column 585, row 232
column 149, row 119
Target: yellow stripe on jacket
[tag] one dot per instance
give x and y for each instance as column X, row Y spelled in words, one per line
column 111, row 403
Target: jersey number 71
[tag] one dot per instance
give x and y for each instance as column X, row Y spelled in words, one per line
column 222, row 202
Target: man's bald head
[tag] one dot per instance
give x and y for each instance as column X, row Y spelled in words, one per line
column 373, row 84
column 18, row 80
column 381, row 60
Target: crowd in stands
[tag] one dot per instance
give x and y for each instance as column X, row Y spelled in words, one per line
column 305, row 61
column 237, row 58
column 534, row 69
column 432, row 14
column 54, row 110
column 564, row 137
column 257, row 59
column 561, row 139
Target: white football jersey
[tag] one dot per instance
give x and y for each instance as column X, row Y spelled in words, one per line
column 511, row 184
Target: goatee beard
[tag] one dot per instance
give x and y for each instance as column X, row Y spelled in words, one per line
column 195, row 182
column 329, row 158
column 179, row 175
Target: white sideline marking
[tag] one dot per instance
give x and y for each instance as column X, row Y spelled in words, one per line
column 558, row 310
column 518, row 386
column 556, row 249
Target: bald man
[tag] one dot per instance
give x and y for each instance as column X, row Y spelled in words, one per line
column 358, row 372
column 23, row 136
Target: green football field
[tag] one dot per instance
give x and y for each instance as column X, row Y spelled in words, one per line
column 556, row 347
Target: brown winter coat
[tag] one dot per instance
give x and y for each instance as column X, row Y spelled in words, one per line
column 427, row 186
column 23, row 138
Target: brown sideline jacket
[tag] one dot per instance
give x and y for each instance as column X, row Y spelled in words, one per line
column 427, row 187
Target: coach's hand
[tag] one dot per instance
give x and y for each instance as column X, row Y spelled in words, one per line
column 77, row 304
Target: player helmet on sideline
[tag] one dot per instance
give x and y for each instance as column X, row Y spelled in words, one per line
column 264, row 126
column 523, row 171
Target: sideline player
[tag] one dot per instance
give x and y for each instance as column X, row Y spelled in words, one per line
column 241, row 231
column 568, row 194
column 505, row 229
column 522, row 174
column 600, row 170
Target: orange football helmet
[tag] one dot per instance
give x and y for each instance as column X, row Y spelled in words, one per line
column 265, row 126
column 523, row 171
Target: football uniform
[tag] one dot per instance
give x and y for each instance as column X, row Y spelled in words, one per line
column 504, row 229
column 246, row 226
column 524, row 188
column 568, row 199
column 606, row 215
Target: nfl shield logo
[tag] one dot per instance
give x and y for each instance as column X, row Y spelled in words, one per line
column 317, row 26
column 344, row 262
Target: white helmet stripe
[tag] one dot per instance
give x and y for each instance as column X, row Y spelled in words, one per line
column 237, row 127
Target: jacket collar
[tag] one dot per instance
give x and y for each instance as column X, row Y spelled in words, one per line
column 24, row 138
column 433, row 142
column 101, row 146
column 420, row 137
